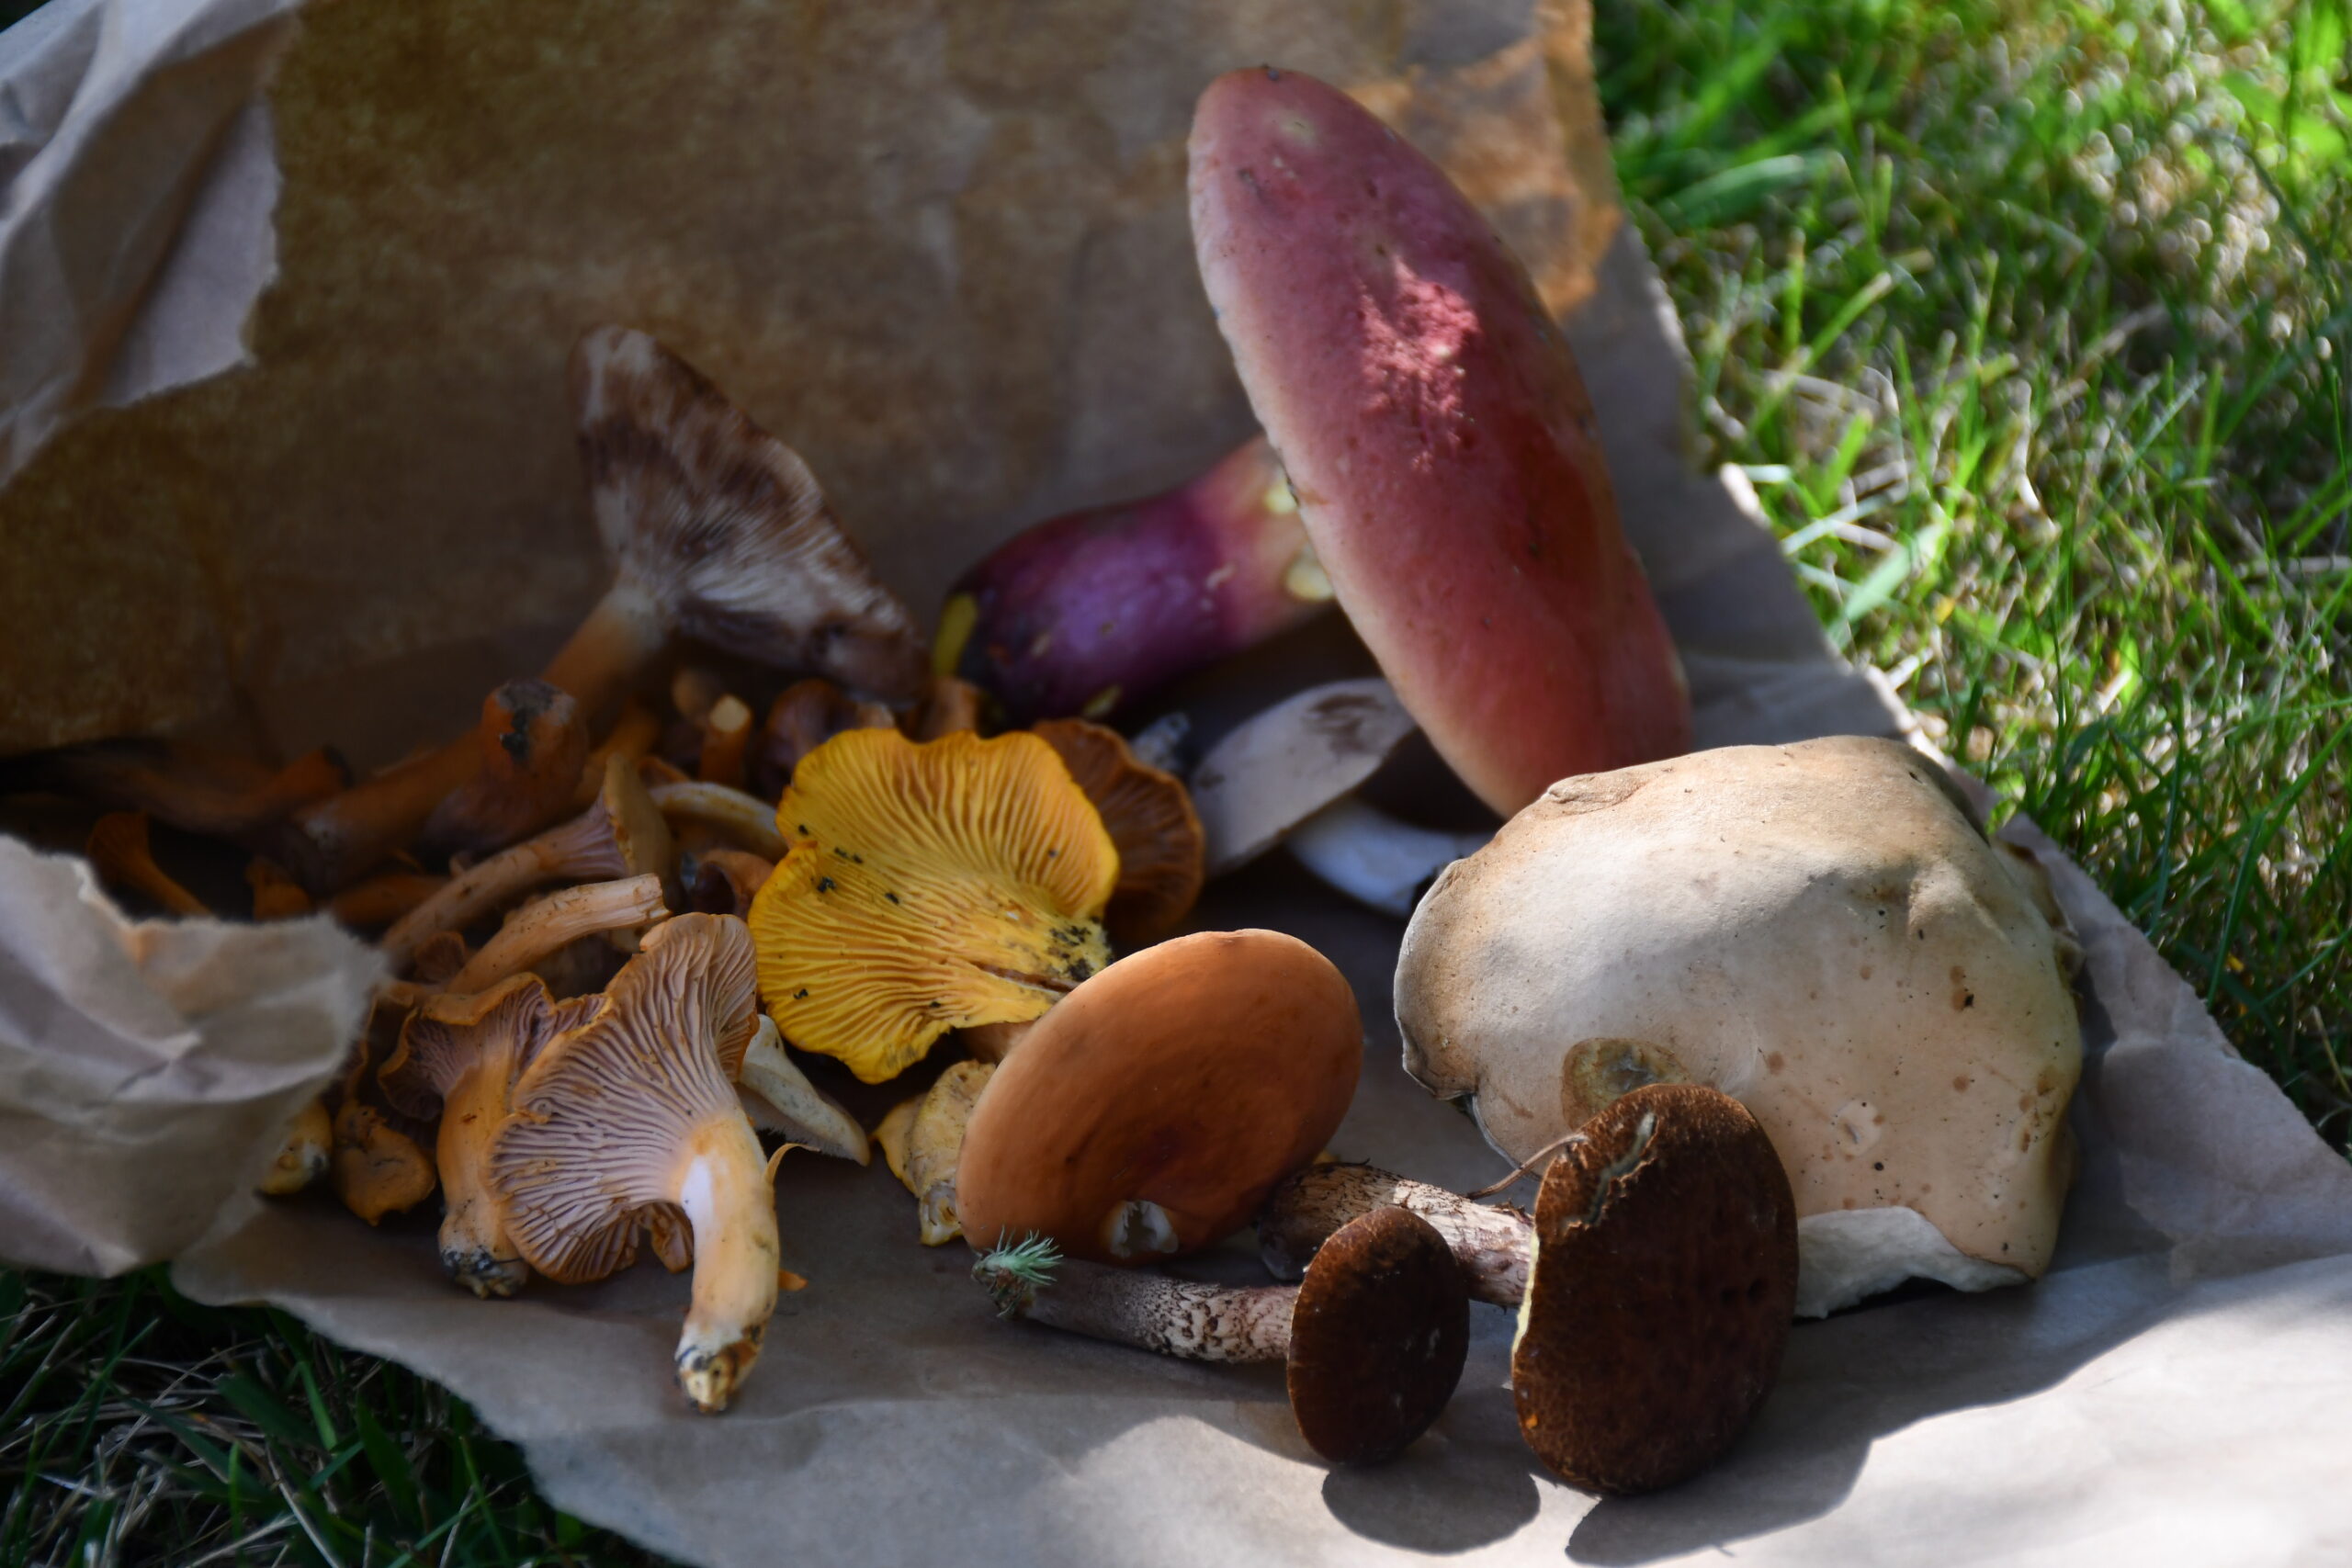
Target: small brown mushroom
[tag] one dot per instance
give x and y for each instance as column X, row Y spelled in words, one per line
column 458, row 1058
column 718, row 531
column 633, row 736
column 331, row 842
column 276, row 896
column 622, row 835
column 1151, row 1111
column 577, row 1181
column 303, row 1157
column 378, row 1165
column 1375, row 1338
column 118, row 853
column 726, row 740
column 725, row 881
column 804, row 717
column 533, row 742
column 1149, row 817
column 193, row 788
column 947, row 705
column 383, row 898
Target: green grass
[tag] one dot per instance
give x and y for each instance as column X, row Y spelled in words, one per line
column 2029, row 321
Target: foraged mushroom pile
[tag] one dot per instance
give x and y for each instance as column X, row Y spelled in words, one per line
column 1784, row 1025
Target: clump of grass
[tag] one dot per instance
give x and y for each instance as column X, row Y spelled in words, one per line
column 136, row 1427
column 2028, row 320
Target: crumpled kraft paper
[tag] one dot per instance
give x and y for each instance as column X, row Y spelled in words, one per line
column 943, row 250
column 147, row 1068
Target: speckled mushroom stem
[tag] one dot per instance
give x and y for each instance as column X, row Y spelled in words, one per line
column 1494, row 1245
column 1174, row 1317
column 723, row 1187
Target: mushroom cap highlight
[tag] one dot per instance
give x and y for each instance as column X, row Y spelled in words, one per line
column 1433, row 424
column 1190, row 1077
column 926, row 887
column 725, row 524
column 1659, row 1298
column 1819, row 931
column 1378, row 1337
column 1151, row 822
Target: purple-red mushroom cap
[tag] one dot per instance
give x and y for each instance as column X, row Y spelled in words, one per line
column 1084, row 615
column 1437, row 435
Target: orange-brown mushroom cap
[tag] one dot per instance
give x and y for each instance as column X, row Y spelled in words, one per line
column 927, row 887
column 1150, row 818
column 1181, row 1083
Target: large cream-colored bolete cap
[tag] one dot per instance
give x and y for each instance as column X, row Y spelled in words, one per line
column 1819, row 931
column 928, row 888
column 1152, row 1109
column 629, row 1121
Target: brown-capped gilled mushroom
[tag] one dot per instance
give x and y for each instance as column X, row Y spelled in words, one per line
column 805, row 715
column 718, row 532
column 1373, row 1340
column 724, row 882
column 1149, row 817
column 118, row 851
column 1150, row 1113
column 581, row 1183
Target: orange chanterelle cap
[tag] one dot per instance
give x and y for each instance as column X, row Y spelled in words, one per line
column 1151, row 1111
column 927, row 887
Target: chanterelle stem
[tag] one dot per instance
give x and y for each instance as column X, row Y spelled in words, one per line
column 724, row 1190
column 1198, row 1323
column 1494, row 1245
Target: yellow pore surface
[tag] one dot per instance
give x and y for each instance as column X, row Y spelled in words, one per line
column 927, row 887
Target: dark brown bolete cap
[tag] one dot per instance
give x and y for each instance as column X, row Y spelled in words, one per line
column 1378, row 1337
column 1661, row 1292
